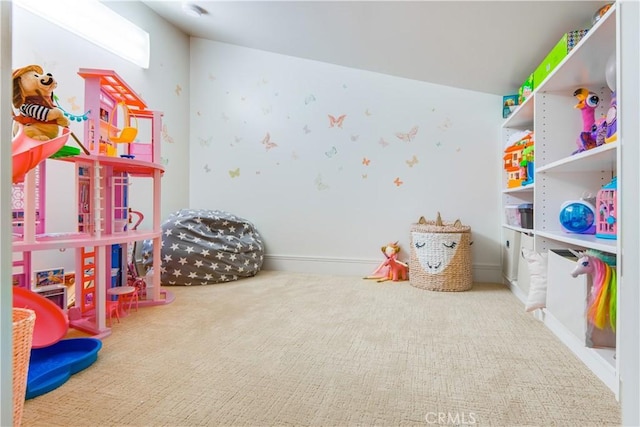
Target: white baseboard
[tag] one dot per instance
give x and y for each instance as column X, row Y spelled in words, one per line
column 482, row 273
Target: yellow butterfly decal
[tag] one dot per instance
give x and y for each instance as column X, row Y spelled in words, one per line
column 165, row 134
column 397, row 182
column 178, row 90
column 72, row 101
column 412, row 162
column 366, row 161
column 333, row 122
column 407, row 137
column 364, row 176
column 266, row 141
column 234, row 173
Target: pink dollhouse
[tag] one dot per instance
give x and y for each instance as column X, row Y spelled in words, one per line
column 122, row 136
column 606, row 205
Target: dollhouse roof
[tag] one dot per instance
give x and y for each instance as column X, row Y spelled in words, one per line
column 115, row 87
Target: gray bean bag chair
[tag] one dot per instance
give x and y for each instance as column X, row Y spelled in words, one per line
column 203, row 247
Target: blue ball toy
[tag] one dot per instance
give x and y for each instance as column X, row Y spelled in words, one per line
column 578, row 216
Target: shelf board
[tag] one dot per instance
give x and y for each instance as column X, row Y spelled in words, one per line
column 598, row 159
column 588, row 241
column 585, row 65
column 522, row 116
column 520, row 229
column 522, row 189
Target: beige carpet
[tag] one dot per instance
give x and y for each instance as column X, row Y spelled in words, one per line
column 286, row 349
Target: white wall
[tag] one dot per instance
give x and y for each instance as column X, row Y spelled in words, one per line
column 37, row 41
column 319, row 207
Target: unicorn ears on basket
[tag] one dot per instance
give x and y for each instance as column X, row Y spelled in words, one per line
column 439, row 223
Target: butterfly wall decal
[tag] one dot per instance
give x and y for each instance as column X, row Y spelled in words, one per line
column 206, row 168
column 333, row 122
column 306, row 129
column 407, row 137
column 383, row 142
column 445, row 125
column 397, row 182
column 364, row 176
column 331, row 152
column 224, row 117
column 412, row 161
column 165, row 134
column 178, row 90
column 211, row 76
column 309, row 99
column 205, row 142
column 366, row 161
column 319, row 184
column 268, row 144
column 354, row 138
column 234, row 173
column 367, row 112
column 72, row 101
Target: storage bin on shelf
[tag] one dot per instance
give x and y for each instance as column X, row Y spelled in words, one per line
column 440, row 256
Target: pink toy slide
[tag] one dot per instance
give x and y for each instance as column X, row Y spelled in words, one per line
column 53, row 359
column 51, row 322
column 28, row 153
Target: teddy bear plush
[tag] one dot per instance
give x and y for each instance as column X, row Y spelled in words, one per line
column 33, row 98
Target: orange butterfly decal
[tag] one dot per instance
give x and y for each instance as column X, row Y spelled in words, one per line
column 412, row 162
column 333, row 122
column 266, row 141
column 407, row 137
column 366, row 161
column 397, row 182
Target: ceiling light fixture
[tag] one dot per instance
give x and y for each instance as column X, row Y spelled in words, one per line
column 193, row 10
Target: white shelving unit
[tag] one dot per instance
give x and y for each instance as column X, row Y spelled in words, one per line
column 561, row 176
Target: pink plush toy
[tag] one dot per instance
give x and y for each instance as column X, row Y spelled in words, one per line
column 587, row 103
column 392, row 268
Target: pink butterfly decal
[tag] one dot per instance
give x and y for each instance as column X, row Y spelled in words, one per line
column 333, row 122
column 266, row 141
column 383, row 142
column 406, row 137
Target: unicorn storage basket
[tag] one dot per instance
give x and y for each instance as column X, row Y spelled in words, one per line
column 440, row 256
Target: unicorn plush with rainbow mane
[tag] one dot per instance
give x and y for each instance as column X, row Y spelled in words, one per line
column 602, row 302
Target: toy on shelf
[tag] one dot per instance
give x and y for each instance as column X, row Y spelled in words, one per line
column 578, row 216
column 593, row 133
column 602, row 300
column 607, row 201
column 392, row 268
column 516, row 165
